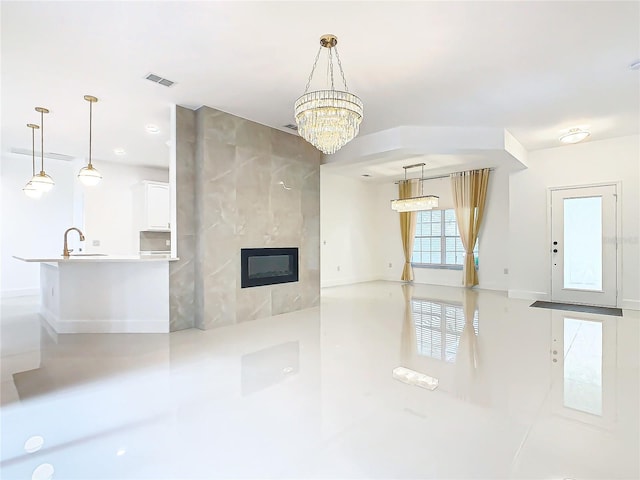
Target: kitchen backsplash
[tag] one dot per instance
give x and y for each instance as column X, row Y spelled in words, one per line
column 155, row 241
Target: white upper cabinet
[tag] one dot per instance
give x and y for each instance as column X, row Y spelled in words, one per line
column 153, row 206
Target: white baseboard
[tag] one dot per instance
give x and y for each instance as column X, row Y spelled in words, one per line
column 528, row 295
column 104, row 326
column 20, row 292
column 336, row 282
column 630, row 304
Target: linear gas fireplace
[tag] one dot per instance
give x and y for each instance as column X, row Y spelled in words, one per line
column 268, row 266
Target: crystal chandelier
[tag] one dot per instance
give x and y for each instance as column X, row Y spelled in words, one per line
column 328, row 119
column 414, row 204
column 89, row 175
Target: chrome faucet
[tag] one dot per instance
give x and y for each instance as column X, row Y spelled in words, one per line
column 66, row 251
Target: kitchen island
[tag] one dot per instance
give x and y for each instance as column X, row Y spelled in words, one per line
column 105, row 293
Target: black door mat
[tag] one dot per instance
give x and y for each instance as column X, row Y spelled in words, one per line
column 571, row 307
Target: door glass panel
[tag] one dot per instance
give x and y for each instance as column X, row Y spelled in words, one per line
column 583, row 243
column 583, row 365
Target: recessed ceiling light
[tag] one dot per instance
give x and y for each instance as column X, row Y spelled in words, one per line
column 43, row 472
column 151, row 128
column 119, row 151
column 635, row 65
column 121, row 452
column 574, row 135
column 33, row 444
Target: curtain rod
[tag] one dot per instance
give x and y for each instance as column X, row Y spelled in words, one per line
column 440, row 176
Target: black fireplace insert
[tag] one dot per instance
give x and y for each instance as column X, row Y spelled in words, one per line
column 268, row 266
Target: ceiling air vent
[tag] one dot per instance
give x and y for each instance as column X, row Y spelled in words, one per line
column 291, row 126
column 158, row 79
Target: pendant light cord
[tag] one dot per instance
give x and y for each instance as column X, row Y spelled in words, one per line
column 33, row 152
column 90, row 129
column 41, row 141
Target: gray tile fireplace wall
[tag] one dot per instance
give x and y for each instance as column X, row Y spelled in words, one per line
column 230, row 196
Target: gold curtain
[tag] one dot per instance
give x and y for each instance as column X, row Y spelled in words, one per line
column 407, row 189
column 469, row 195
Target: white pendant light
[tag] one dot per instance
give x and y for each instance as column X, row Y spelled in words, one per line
column 328, row 119
column 89, row 175
column 415, row 204
column 30, row 189
column 42, row 181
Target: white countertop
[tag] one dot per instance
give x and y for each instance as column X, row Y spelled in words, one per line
column 89, row 258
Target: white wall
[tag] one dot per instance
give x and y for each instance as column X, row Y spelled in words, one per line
column 348, row 230
column 581, row 164
column 108, row 207
column 31, row 227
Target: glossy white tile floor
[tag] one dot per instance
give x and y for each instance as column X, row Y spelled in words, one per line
column 523, row 393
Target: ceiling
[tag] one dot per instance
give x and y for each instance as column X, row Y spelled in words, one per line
column 533, row 68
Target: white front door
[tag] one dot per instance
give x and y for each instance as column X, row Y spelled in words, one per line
column 584, row 245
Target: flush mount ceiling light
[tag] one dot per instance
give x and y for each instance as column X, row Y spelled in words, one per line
column 574, row 135
column 42, row 181
column 89, row 175
column 414, row 204
column 328, row 119
column 30, row 190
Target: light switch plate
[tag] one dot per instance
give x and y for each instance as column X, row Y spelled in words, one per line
column 96, row 243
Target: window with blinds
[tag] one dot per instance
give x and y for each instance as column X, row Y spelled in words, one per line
column 437, row 239
column 438, row 328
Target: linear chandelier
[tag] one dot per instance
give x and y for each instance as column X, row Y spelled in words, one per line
column 414, row 204
column 328, row 119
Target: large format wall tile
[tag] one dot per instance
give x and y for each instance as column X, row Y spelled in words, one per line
column 182, row 278
column 240, row 170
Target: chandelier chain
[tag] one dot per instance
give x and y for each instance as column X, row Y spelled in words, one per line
column 344, row 80
column 331, row 69
column 313, row 69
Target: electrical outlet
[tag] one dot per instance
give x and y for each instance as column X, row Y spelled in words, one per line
column 390, row 265
column 96, row 243
column 167, row 243
column 506, row 271
column 338, row 267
